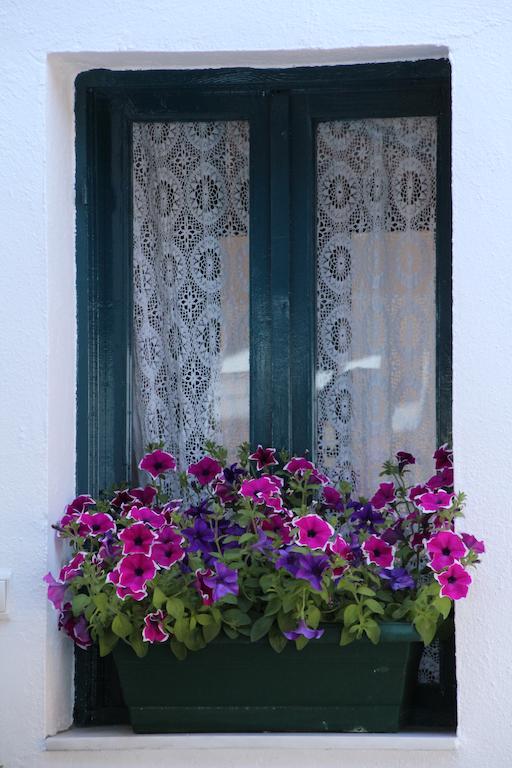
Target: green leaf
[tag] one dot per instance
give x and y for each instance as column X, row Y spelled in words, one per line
column 260, row 627
column 290, row 601
column 179, row 650
column 181, row 629
column 314, row 616
column 79, row 603
column 273, row 606
column 267, row 581
column 100, row 601
column 107, row 641
column 204, row 619
column 364, row 590
column 374, row 606
column 175, row 607
column 121, row 625
column 286, row 621
column 351, row 614
column 276, row 639
column 443, row 605
column 237, row 617
column 426, row 628
column 138, row 645
column 301, row 642
column 230, row 599
column 159, row 598
column 346, row 637
column 210, row 631
column 372, row 630
column 230, row 632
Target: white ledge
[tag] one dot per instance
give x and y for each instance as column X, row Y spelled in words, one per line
column 115, row 738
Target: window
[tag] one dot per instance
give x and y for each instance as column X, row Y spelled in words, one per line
column 262, row 255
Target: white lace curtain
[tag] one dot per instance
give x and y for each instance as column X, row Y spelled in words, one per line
column 190, row 285
column 376, row 353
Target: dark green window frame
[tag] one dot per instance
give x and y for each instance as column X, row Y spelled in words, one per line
column 283, row 107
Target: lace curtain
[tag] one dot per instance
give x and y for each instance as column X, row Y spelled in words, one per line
column 190, row 285
column 376, row 347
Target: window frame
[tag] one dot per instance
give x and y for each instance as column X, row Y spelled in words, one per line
column 279, row 103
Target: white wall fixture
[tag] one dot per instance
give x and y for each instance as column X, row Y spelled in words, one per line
column 5, row 577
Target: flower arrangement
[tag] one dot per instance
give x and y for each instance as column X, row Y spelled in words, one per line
column 266, row 546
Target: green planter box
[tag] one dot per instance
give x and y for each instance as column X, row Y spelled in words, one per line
column 236, row 685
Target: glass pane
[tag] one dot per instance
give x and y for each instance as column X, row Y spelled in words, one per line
column 376, row 320
column 190, row 285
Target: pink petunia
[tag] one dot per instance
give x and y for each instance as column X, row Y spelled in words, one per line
column 443, row 457
column 145, row 495
column 154, row 631
column 385, row 495
column 167, row 550
column 261, row 489
column 298, row 464
column 138, row 538
column 205, row 470
column 204, row 590
column 454, row 582
column 264, row 457
column 135, row 571
column 433, row 502
column 379, row 552
column 157, row 463
column 73, row 568
column 342, row 549
column 56, row 591
column 444, row 548
column 313, row 531
column 472, row 543
column 124, row 592
column 96, row 524
column 147, row 515
column 277, row 524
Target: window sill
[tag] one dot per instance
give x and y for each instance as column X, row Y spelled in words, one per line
column 117, row 738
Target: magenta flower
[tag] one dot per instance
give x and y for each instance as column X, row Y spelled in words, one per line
column 204, row 590
column 472, row 543
column 147, row 515
column 304, row 631
column 261, row 488
column 332, row 498
column 454, row 582
column 73, row 568
column 135, row 571
column 277, row 524
column 205, row 470
column 56, row 591
column 443, row 479
column 275, row 503
column 404, row 459
column 298, row 464
column 80, row 503
column 145, row 495
column 444, row 548
column 76, row 628
column 318, row 478
column 313, row 531
column 97, row 524
column 121, row 498
column 264, row 457
column 157, row 463
column 385, row 495
column 378, row 551
column 124, row 592
column 443, row 457
column 433, row 502
column 341, row 548
column 138, row 538
column 223, row 582
column 416, row 491
column 167, row 550
column 154, row 631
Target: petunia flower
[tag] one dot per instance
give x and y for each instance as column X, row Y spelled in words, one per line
column 200, row 536
column 110, row 547
column 298, row 465
column 225, row 492
column 145, row 495
column 261, row 489
column 277, row 524
column 313, row 531
column 121, row 498
column 385, row 495
column 303, row 630
column 135, row 571
column 147, row 515
column 168, row 550
column 398, row 578
column 138, row 538
column 275, row 503
column 442, row 479
column 75, row 627
column 73, row 568
column 454, row 582
column 312, row 568
column 205, row 470
column 365, row 516
column 443, row 457
column 288, row 559
column 433, row 502
column 377, row 551
column 444, row 548
column 56, row 591
column 124, row 592
column 157, row 463
column 332, row 499
column 223, row 582
column 96, row 524
column 154, row 631
column 264, row 457
column 75, row 509
column 204, row 590
column 472, row 543
column 342, row 549
column 404, row 459
column 416, row 491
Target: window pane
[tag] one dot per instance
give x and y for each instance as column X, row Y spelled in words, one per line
column 376, row 319
column 191, row 285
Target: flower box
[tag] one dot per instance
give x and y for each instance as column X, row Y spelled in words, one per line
column 236, row 685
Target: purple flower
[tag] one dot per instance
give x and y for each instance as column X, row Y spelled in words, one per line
column 442, row 479
column 365, row 516
column 332, row 499
column 263, row 542
column 288, row 559
column 157, row 463
column 147, row 515
column 205, row 470
column 154, row 631
column 223, row 582
column 472, row 543
column 443, row 457
column 385, row 495
column 138, row 538
column 304, row 631
column 313, row 531
column 73, row 568
column 56, row 591
column 454, row 582
column 135, row 571
column 311, row 568
column 399, row 578
column 403, row 458
column 232, row 472
column 200, row 536
column 264, row 457
column 109, row 547
column 76, row 628
column 145, row 495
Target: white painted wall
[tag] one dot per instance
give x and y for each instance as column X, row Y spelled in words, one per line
column 42, row 47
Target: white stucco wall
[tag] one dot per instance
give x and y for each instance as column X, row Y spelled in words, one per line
column 42, row 47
